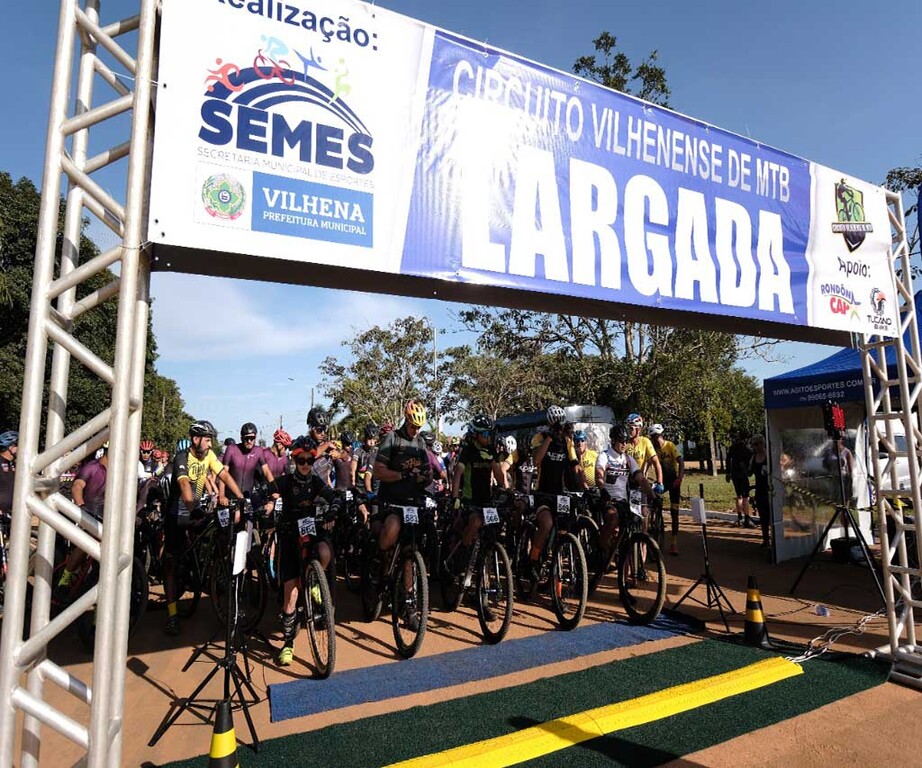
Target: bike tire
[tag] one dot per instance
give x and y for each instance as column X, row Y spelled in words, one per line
column 449, row 587
column 253, row 591
column 407, row 639
column 371, row 593
column 591, row 541
column 641, row 578
column 495, row 601
column 522, row 565
column 352, row 557
column 569, row 581
column 321, row 622
column 657, row 526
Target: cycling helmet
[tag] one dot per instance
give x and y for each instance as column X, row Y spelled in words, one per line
column 317, row 417
column 301, row 445
column 8, row 438
column 556, row 415
column 618, row 434
column 428, row 439
column 183, row 444
column 415, row 413
column 386, row 429
column 579, row 436
column 482, row 424
column 634, row 420
column 248, row 429
column 510, row 444
column 437, row 448
column 147, row 445
column 656, row 429
column 347, row 439
column 371, row 430
column 202, row 429
column 455, row 441
column 282, row 437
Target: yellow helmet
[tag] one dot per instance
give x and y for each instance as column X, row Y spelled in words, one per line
column 415, row 413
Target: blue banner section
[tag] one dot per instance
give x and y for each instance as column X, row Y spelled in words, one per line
column 298, row 208
column 552, row 184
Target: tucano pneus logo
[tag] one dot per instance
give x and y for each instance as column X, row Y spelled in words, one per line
column 851, row 222
column 287, row 104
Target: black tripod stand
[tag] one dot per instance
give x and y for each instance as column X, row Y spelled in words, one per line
column 836, row 428
column 715, row 595
column 234, row 642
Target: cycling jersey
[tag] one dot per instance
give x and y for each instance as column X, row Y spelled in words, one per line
column 478, row 474
column 587, row 462
column 342, row 467
column 93, row 473
column 146, row 468
column 245, row 466
column 669, row 459
column 186, row 464
column 642, row 451
column 617, row 469
column 555, row 475
column 364, row 463
column 278, row 465
column 299, row 495
column 401, row 453
column 7, row 478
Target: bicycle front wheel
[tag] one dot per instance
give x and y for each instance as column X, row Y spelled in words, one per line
column 494, row 592
column 321, row 624
column 569, row 582
column 641, row 578
column 591, row 541
column 410, row 608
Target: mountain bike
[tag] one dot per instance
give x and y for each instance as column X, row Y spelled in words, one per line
column 562, row 563
column 403, row 580
column 641, row 572
column 485, row 574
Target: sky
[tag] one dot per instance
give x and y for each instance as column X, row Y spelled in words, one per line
column 834, row 83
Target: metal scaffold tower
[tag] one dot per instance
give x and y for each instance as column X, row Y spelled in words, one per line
column 892, row 383
column 83, row 47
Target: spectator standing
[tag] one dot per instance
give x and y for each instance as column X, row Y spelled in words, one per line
column 739, row 458
column 759, row 468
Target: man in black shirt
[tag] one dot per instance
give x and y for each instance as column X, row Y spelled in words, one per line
column 9, row 444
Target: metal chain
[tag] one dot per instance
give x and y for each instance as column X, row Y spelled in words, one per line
column 819, row 645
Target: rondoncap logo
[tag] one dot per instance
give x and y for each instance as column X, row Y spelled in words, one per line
column 851, row 222
column 223, row 196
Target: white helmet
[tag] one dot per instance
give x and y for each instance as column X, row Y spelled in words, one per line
column 656, row 429
column 437, row 448
column 556, row 415
column 510, row 444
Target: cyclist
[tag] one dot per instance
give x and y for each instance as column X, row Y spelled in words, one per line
column 147, row 466
column 246, row 463
column 187, row 485
column 277, row 455
column 615, row 470
column 299, row 492
column 555, row 457
column 89, row 493
column 439, row 476
column 342, row 463
column 673, row 470
column 477, row 469
column 640, row 447
column 587, row 458
column 402, row 467
column 508, row 456
column 363, row 461
column 9, row 445
column 318, row 421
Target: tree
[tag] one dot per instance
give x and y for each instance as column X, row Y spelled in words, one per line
column 647, row 81
column 909, row 180
column 388, row 366
column 87, row 395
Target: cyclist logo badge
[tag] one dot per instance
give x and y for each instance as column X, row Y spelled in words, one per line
column 851, row 223
column 223, row 196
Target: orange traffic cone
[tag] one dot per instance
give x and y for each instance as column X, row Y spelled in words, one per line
column 223, row 753
column 755, row 633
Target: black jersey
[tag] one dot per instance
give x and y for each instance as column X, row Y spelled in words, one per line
column 402, row 453
column 556, row 472
column 299, row 495
column 478, row 473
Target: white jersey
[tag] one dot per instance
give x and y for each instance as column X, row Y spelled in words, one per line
column 616, row 468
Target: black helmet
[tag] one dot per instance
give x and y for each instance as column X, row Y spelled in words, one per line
column 229, row 441
column 428, row 438
column 347, row 439
column 317, row 417
column 618, row 433
column 202, row 429
column 482, row 423
column 248, row 429
column 371, row 430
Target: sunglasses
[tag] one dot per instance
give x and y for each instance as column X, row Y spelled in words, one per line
column 145, row 451
column 300, row 461
column 247, row 438
column 578, row 440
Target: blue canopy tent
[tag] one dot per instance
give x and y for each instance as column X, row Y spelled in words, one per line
column 803, row 469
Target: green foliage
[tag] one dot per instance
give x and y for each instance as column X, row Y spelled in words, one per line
column 909, row 180
column 388, row 367
column 647, row 81
column 87, row 395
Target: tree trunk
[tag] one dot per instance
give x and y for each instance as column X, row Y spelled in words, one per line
column 712, row 457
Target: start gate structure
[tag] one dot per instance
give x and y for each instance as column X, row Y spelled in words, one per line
column 122, row 57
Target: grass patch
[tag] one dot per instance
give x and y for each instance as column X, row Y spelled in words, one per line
column 718, row 493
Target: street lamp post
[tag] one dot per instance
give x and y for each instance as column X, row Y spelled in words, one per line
column 435, row 377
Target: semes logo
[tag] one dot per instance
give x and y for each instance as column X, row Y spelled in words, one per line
column 850, row 214
column 841, row 300
column 251, row 108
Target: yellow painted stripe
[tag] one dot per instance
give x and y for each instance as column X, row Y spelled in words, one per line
column 223, row 744
column 555, row 735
